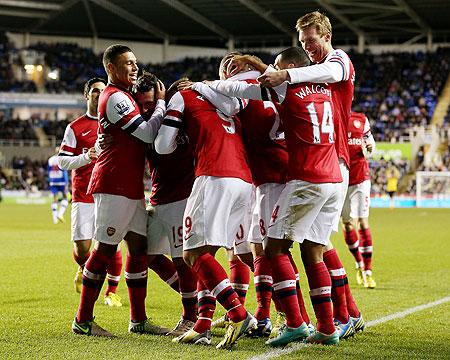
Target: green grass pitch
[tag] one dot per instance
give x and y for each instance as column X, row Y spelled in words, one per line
column 38, row 302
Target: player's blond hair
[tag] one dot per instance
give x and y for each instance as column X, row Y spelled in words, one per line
column 320, row 21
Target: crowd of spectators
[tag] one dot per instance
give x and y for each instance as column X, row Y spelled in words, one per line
column 399, row 90
column 16, row 129
column 395, row 90
column 24, row 174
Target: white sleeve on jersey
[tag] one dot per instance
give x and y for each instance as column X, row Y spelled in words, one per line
column 244, row 90
column 66, row 158
column 336, row 68
column 166, row 141
column 367, row 136
column 121, row 110
column 228, row 105
column 73, row 162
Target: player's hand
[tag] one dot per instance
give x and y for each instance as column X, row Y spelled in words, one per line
column 185, row 85
column 104, row 140
column 92, row 153
column 275, row 78
column 160, row 90
column 237, row 64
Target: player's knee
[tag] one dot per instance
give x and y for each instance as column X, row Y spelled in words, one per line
column 189, row 258
column 348, row 226
column 363, row 223
column 312, row 253
column 277, row 247
column 82, row 247
column 106, row 249
column 257, row 250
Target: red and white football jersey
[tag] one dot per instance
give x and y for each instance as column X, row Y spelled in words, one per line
column 172, row 174
column 336, row 70
column 79, row 137
column 216, row 139
column 359, row 128
column 342, row 92
column 264, row 141
column 119, row 169
column 307, row 116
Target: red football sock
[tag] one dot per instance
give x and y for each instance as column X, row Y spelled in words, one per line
column 206, row 308
column 353, row 310
column 188, row 290
column 285, row 288
column 263, row 285
column 114, row 269
column 81, row 260
column 351, row 239
column 320, row 292
column 277, row 302
column 366, row 248
column 239, row 278
column 338, row 276
column 301, row 302
column 166, row 270
column 215, row 278
column 93, row 276
column 136, row 277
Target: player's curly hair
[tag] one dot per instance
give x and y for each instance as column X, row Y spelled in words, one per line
column 146, row 82
column 320, row 21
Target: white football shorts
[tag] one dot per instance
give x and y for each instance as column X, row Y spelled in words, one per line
column 267, row 196
column 165, row 229
column 342, row 193
column 216, row 212
column 357, row 202
column 83, row 222
column 116, row 215
column 305, row 211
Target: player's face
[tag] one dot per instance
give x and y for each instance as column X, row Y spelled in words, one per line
column 93, row 95
column 316, row 46
column 146, row 101
column 125, row 69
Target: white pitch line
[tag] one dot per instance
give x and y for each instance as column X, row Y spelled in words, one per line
column 297, row 346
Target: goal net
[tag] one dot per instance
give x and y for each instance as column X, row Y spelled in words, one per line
column 433, row 189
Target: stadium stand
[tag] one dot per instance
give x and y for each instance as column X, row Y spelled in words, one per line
column 397, row 91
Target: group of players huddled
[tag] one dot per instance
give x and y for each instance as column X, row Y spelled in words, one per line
column 262, row 158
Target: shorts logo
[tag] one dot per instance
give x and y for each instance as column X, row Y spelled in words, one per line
column 122, row 108
column 110, row 231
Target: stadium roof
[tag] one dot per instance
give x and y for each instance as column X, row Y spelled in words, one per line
column 249, row 23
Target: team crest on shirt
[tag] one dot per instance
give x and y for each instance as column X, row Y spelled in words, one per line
column 110, row 231
column 122, row 108
column 357, row 123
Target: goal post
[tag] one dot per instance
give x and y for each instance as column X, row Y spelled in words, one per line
column 433, row 189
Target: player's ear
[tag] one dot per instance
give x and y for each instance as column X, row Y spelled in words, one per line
column 327, row 37
column 110, row 67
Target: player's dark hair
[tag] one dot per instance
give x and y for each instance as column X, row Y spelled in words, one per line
column 174, row 88
column 295, row 55
column 112, row 52
column 90, row 82
column 146, row 82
